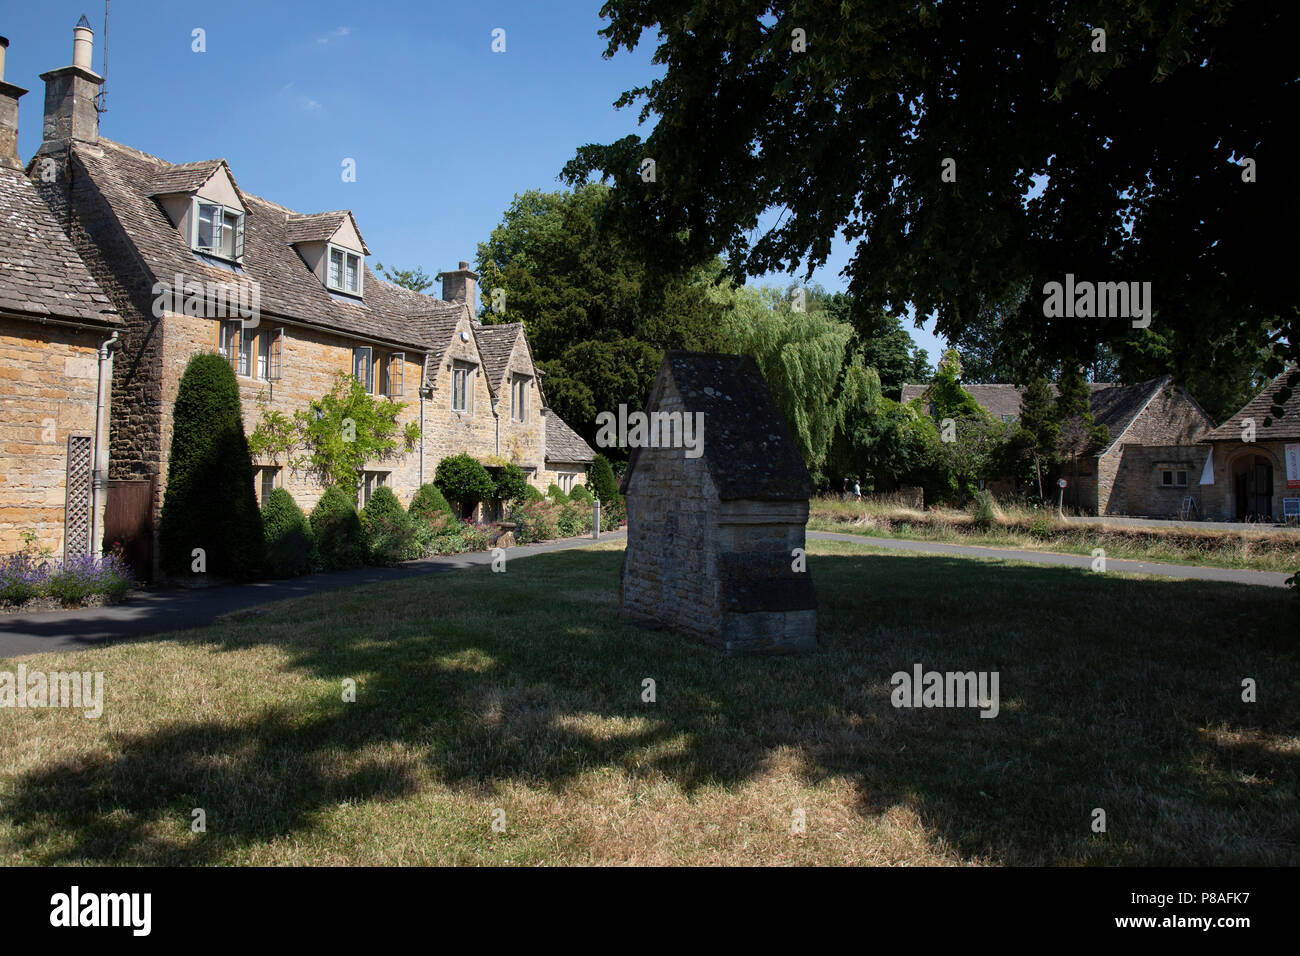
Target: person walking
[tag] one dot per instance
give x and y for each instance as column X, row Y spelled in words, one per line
column 844, row 496
column 857, row 489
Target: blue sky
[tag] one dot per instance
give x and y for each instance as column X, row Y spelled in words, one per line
column 443, row 130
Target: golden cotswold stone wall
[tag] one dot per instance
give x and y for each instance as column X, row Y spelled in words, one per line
column 48, row 390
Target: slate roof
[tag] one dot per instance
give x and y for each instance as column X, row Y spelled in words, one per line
column 563, row 443
column 495, row 343
column 127, row 180
column 320, row 226
column 41, row 273
column 186, row 177
column 749, row 450
column 437, row 326
column 996, row 399
column 1118, row 406
column 1286, row 428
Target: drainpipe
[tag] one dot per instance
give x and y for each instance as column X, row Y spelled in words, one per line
column 99, row 478
column 421, row 438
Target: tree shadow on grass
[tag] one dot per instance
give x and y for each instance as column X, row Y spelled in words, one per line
column 1115, row 693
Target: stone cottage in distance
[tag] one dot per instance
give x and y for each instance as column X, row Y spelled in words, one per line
column 1152, row 459
column 289, row 300
column 712, row 539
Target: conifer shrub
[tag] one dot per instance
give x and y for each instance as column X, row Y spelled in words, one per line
column 336, row 529
column 602, row 481
column 427, row 502
column 387, row 529
column 209, row 504
column 289, row 548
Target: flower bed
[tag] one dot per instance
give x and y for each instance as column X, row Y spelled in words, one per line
column 28, row 579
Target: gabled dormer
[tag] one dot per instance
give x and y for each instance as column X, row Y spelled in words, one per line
column 332, row 248
column 204, row 204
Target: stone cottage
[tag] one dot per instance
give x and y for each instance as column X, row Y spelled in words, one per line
column 715, row 539
column 1250, row 469
column 57, row 332
column 192, row 262
column 1145, row 467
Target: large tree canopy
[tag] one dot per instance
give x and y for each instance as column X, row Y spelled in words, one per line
column 1115, row 164
column 597, row 321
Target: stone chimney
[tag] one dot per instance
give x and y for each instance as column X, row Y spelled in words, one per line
column 461, row 285
column 9, row 96
column 70, row 92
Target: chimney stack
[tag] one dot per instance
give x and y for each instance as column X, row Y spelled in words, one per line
column 70, row 95
column 9, row 96
column 461, row 285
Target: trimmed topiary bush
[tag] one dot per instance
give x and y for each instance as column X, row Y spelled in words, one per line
column 388, row 530
column 602, row 481
column 464, row 480
column 209, row 502
column 580, row 495
column 532, row 494
column 510, row 483
column 555, row 494
column 289, row 549
column 427, row 502
column 336, row 529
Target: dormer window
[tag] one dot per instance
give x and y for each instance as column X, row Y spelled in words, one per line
column 218, row 230
column 345, row 271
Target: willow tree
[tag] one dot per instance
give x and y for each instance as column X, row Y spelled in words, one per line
column 817, row 381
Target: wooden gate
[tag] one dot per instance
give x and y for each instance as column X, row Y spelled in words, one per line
column 128, row 520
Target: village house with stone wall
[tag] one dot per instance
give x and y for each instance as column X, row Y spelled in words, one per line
column 1252, row 466
column 1151, row 462
column 190, row 262
column 56, row 326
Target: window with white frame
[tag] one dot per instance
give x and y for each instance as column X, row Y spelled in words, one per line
column 460, row 388
column 566, row 481
column 236, row 344
column 218, row 230
column 345, row 273
column 393, row 381
column 519, row 398
column 363, row 366
column 268, row 479
column 1173, row 478
column 370, row 480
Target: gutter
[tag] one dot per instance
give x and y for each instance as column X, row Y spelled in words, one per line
column 99, row 476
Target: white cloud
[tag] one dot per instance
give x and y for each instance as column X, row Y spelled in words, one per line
column 336, row 34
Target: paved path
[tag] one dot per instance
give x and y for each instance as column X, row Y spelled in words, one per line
column 1184, row 571
column 1244, row 526
column 153, row 612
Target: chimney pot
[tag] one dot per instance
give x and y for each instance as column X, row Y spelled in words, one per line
column 83, row 43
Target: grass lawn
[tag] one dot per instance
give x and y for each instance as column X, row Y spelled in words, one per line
column 522, row 692
column 1252, row 547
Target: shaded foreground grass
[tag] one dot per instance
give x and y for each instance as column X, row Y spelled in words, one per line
column 522, row 692
column 1252, row 547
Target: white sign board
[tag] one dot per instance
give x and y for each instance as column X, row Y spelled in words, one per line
column 1293, row 466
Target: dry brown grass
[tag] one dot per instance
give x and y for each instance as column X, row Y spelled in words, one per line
column 520, row 692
